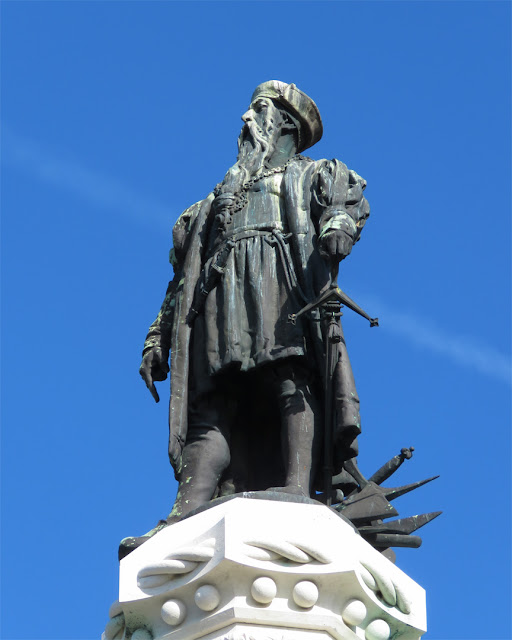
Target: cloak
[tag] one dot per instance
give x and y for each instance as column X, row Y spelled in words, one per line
column 319, row 197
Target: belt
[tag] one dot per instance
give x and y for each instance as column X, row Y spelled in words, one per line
column 272, row 234
column 249, row 231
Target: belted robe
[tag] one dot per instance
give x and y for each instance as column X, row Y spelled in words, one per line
column 319, row 197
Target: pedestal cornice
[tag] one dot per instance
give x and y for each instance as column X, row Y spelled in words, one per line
column 263, row 570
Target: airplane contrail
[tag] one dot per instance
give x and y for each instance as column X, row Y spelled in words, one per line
column 109, row 194
column 101, row 191
column 463, row 350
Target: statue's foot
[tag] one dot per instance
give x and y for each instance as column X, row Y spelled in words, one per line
column 127, row 545
column 292, row 489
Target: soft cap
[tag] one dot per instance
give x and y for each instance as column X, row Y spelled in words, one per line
column 300, row 107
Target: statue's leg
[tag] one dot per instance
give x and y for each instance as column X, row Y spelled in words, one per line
column 301, row 426
column 206, row 454
column 205, row 457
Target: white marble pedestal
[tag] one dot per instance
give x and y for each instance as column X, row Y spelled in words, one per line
column 264, row 570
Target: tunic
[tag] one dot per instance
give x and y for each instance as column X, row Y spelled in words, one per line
column 246, row 315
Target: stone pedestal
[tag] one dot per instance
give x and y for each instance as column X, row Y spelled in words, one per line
column 263, row 570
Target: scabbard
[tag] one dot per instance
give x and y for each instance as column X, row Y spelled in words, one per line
column 209, row 279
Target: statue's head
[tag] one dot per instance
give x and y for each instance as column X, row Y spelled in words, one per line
column 280, row 121
column 277, row 106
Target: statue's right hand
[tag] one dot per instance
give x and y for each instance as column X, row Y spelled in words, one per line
column 154, row 367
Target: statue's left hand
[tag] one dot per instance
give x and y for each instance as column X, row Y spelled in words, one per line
column 335, row 245
column 154, row 367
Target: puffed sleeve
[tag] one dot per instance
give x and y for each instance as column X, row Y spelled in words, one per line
column 337, row 201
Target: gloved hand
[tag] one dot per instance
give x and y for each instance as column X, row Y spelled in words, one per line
column 335, row 245
column 154, row 367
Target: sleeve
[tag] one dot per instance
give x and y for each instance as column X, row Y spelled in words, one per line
column 337, row 201
column 159, row 334
column 181, row 234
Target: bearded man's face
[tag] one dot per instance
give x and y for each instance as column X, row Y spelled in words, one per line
column 258, row 140
column 262, row 126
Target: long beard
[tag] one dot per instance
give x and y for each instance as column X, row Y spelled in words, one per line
column 255, row 148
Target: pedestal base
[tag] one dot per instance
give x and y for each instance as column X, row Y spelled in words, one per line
column 262, row 570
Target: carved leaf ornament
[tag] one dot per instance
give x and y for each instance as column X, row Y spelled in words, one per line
column 384, row 587
column 176, row 564
column 114, row 630
column 281, row 551
column 376, row 578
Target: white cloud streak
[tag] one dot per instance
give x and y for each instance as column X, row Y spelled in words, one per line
column 462, row 350
column 99, row 190
column 109, row 194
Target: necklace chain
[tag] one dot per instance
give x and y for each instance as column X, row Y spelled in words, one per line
column 240, row 198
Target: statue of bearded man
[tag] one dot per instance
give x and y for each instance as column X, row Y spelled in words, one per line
column 246, row 410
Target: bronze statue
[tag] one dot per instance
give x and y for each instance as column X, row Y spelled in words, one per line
column 247, row 368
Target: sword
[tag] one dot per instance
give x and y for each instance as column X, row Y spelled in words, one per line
column 333, row 292
column 217, row 268
column 331, row 301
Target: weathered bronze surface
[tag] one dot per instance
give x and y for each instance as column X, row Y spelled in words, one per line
column 262, row 392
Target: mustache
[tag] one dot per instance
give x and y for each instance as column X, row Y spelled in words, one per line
column 252, row 138
column 251, row 131
column 246, row 136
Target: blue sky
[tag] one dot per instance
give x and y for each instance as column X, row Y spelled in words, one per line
column 118, row 115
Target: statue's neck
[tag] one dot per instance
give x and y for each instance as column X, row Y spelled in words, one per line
column 285, row 149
